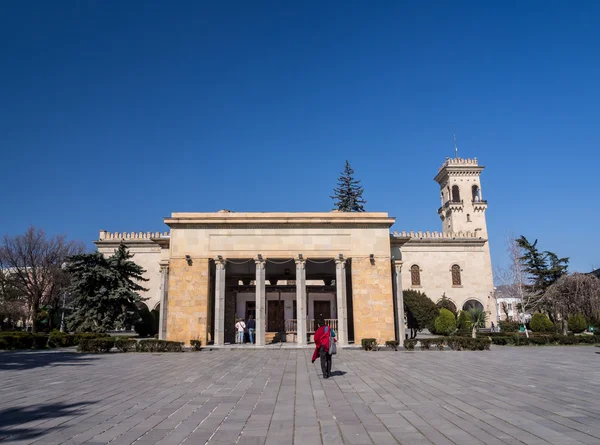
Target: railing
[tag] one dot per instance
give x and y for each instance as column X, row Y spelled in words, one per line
column 311, row 325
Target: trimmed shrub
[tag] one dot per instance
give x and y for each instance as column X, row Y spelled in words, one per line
column 88, row 336
column 502, row 341
column 427, row 343
column 409, row 344
column 95, row 345
column 196, row 345
column 368, row 344
column 463, row 324
column 392, row 344
column 445, row 323
column 577, row 323
column 58, row 339
column 3, row 343
column 446, row 303
column 18, row 340
column 541, row 323
column 40, row 341
column 509, row 326
column 125, row 344
column 423, row 310
column 159, row 346
column 469, row 344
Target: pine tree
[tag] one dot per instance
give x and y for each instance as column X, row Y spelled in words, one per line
column 348, row 193
column 543, row 269
column 104, row 291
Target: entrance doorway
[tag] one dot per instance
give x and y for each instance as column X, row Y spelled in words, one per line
column 250, row 309
column 322, row 309
column 275, row 316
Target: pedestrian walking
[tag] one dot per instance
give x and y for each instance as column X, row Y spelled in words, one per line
column 324, row 346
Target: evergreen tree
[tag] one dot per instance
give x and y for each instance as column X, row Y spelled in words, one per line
column 104, row 291
column 543, row 269
column 348, row 193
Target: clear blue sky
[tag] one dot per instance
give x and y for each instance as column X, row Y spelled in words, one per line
column 115, row 114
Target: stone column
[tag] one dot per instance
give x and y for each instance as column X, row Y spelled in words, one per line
column 219, row 302
column 400, row 330
column 342, row 310
column 301, row 301
column 260, row 302
column 164, row 296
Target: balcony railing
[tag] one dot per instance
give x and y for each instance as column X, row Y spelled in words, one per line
column 311, row 325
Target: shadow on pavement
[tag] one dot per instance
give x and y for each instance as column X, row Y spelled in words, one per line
column 13, row 421
column 21, row 360
column 336, row 373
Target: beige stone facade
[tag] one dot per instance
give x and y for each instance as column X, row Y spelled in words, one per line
column 287, row 270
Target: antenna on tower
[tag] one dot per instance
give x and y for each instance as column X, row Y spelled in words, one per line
column 455, row 147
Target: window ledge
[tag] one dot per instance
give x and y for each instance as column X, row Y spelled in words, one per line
column 415, row 285
column 457, row 285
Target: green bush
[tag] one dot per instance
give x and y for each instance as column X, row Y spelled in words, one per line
column 445, row 323
column 88, row 336
column 509, row 326
column 196, row 345
column 469, row 344
column 392, row 344
column 541, row 323
column 17, row 340
column 446, row 303
column 40, row 341
column 577, row 323
column 58, row 339
column 500, row 340
column 125, row 344
column 368, row 344
column 409, row 344
column 159, row 346
column 95, row 345
column 422, row 309
column 3, row 343
column 463, row 324
column 426, row 343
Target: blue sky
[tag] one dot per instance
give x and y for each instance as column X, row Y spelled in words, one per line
column 115, row 114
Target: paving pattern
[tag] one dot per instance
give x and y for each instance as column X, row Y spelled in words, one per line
column 529, row 395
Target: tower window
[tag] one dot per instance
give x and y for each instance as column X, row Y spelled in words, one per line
column 468, row 218
column 456, row 281
column 415, row 275
column 455, row 194
column 476, row 193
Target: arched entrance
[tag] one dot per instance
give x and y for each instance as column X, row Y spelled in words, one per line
column 472, row 304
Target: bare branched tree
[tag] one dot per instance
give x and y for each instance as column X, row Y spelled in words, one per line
column 575, row 293
column 35, row 265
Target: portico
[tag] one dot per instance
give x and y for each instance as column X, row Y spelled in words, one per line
column 287, row 270
column 286, row 297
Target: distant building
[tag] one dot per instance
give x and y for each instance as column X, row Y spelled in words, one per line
column 289, row 269
column 595, row 272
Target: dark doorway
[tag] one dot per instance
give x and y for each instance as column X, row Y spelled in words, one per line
column 250, row 309
column 275, row 323
column 322, row 309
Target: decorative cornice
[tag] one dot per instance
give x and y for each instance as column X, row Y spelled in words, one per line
column 282, row 226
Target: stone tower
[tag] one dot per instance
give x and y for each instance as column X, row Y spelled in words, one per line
column 463, row 208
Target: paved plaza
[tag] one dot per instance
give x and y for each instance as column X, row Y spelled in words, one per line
column 543, row 395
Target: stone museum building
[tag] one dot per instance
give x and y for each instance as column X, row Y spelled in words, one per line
column 287, row 270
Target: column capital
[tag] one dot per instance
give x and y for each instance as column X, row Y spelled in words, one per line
column 164, row 264
column 260, row 263
column 398, row 265
column 340, row 263
column 220, row 262
column 300, row 263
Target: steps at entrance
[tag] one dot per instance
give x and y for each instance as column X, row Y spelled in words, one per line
column 273, row 337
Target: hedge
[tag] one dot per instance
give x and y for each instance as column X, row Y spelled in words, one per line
column 541, row 323
column 426, row 343
column 125, row 344
column 368, row 344
column 509, row 326
column 544, row 339
column 469, row 344
column 95, row 345
column 196, row 345
column 392, row 344
column 159, row 346
column 409, row 344
column 22, row 340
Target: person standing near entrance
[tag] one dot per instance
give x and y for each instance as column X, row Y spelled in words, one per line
column 251, row 325
column 240, row 326
column 323, row 334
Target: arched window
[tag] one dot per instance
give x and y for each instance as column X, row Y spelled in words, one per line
column 475, row 192
column 468, row 218
column 472, row 304
column 415, row 275
column 456, row 275
column 455, row 194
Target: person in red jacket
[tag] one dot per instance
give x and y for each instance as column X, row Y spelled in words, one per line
column 322, row 336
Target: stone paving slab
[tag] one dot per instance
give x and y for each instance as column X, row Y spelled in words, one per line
column 529, row 395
